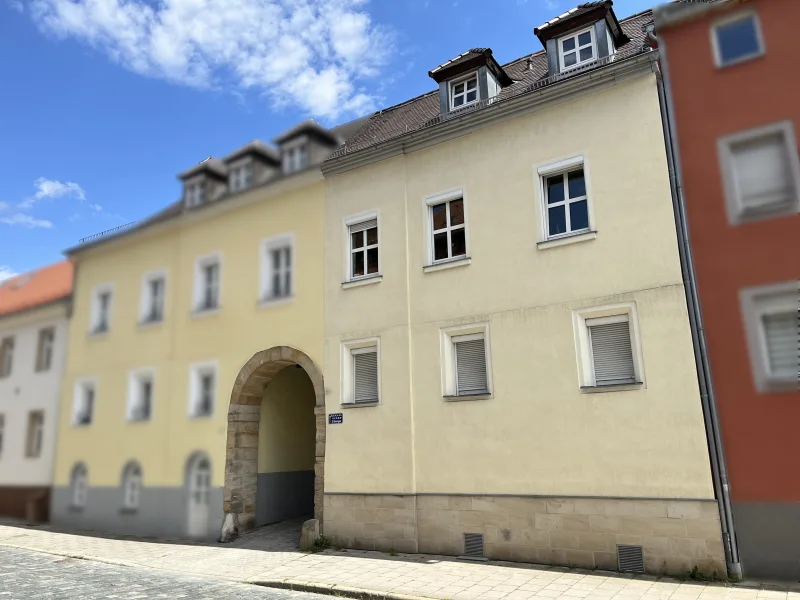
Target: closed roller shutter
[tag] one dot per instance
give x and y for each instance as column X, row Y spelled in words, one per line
column 612, row 355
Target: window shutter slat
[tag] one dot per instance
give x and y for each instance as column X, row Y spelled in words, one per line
column 366, row 377
column 612, row 354
column 471, row 367
column 363, row 226
column 762, row 171
column 783, row 347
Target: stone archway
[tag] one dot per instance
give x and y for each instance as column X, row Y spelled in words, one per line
column 241, row 455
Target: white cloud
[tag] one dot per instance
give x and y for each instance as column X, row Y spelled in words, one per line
column 26, row 221
column 309, row 54
column 52, row 188
column 6, row 272
column 96, row 207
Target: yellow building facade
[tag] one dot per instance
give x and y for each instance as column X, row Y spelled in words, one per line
column 531, row 391
column 165, row 317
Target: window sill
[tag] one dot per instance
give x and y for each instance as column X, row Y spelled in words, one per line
column 619, row 387
column 128, row 511
column 98, row 335
column 448, row 264
column 135, row 421
column 573, row 238
column 79, row 425
column 359, row 404
column 150, row 324
column 741, row 59
column 201, row 416
column 358, row 282
column 205, row 312
column 467, row 397
column 778, row 384
column 270, row 302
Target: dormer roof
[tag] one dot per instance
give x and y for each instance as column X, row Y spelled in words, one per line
column 308, row 127
column 467, row 61
column 583, row 14
column 210, row 166
column 256, row 148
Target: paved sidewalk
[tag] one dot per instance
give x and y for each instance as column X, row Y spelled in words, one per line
column 346, row 572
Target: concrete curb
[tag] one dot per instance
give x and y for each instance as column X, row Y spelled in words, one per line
column 332, row 590
column 108, row 561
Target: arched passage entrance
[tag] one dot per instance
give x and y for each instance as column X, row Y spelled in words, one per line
column 241, row 456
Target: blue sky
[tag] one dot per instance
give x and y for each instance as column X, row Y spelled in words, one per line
column 105, row 101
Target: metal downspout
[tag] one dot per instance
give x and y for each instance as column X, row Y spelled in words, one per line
column 707, row 396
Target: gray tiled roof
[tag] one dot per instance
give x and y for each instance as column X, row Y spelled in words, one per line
column 578, row 10
column 422, row 111
column 460, row 58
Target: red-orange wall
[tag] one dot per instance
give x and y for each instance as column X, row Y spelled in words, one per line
column 761, row 432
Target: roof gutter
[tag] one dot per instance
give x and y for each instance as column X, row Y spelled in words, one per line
column 719, row 469
column 496, row 112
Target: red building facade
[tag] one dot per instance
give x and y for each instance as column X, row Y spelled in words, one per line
column 733, row 85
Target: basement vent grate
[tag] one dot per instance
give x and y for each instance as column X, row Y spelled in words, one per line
column 473, row 545
column 630, row 558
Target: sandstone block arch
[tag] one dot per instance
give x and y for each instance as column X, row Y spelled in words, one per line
column 241, row 455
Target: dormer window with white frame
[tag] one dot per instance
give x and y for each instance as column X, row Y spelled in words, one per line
column 295, row 157
column 100, row 314
column 195, row 194
column 464, row 91
column 577, row 49
column 240, row 177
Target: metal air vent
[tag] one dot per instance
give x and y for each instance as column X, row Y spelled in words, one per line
column 473, row 545
column 630, row 558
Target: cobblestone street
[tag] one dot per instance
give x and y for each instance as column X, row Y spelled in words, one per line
column 27, row 575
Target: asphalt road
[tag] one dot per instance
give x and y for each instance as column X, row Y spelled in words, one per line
column 27, row 575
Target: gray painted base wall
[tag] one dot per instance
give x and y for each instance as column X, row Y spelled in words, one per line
column 162, row 512
column 769, row 539
column 286, row 495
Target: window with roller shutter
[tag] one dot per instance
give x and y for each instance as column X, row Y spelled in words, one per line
column 470, row 364
column 611, row 350
column 781, row 337
column 364, row 252
column 365, row 375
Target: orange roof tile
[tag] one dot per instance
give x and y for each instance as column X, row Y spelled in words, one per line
column 32, row 289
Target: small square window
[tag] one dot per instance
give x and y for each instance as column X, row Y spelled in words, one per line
column 207, row 283
column 360, row 372
column 737, row 39
column 364, row 250
column 203, row 390
column 295, row 158
column 577, row 49
column 240, row 177
column 35, row 438
column 464, row 92
column 195, row 194
column 772, row 324
column 101, row 309
column 83, row 403
column 277, row 268
column 448, row 229
column 566, row 201
column 761, row 172
column 141, row 390
column 6, row 356
column 44, row 349
column 608, row 348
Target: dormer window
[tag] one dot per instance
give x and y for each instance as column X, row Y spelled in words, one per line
column 195, row 194
column 295, row 158
column 464, row 92
column 577, row 49
column 241, row 177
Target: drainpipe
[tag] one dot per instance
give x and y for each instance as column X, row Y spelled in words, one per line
column 719, row 469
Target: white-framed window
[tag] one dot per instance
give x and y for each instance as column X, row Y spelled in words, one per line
column 761, row 172
column 361, row 380
column 577, row 49
column 131, row 485
column 241, row 177
column 83, row 402
column 736, row 38
column 153, row 297
column 466, row 362
column 207, row 282
column 100, row 316
column 35, row 437
column 277, row 268
column 6, row 356
column 79, row 485
column 608, row 347
column 195, row 193
column 141, row 394
column 771, row 318
column 447, row 226
column 202, row 389
column 295, row 157
column 464, row 91
column 565, row 198
column 44, row 348
column 364, row 247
